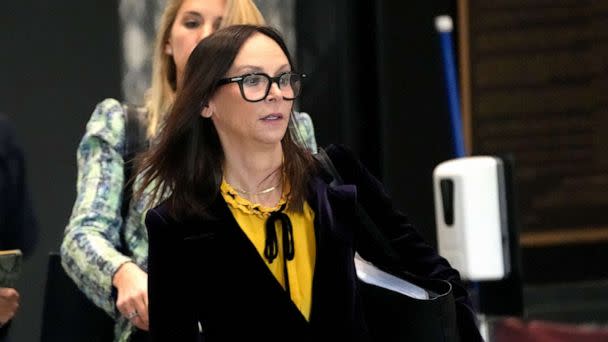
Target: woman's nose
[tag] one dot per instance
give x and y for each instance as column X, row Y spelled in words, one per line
column 274, row 92
column 206, row 31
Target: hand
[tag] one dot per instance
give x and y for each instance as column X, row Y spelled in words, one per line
column 9, row 303
column 132, row 302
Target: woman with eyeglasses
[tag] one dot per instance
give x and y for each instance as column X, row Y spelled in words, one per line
column 263, row 244
column 105, row 245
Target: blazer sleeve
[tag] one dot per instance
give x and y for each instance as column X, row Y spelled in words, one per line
column 170, row 297
column 89, row 252
column 416, row 255
column 18, row 224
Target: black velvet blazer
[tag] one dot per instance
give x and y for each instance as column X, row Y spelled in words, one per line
column 18, row 225
column 205, row 275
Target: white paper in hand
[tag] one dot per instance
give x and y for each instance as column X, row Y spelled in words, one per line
column 372, row 275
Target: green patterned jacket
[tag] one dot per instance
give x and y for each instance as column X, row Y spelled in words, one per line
column 89, row 250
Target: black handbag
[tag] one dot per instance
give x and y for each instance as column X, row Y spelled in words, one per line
column 392, row 316
column 68, row 315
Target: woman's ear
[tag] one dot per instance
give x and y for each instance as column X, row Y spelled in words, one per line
column 168, row 48
column 208, row 110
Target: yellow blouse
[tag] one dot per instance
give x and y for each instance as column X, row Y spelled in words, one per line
column 252, row 218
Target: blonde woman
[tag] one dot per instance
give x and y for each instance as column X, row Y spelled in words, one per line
column 106, row 257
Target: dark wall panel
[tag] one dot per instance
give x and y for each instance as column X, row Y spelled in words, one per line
column 58, row 59
column 376, row 85
column 413, row 104
column 336, row 47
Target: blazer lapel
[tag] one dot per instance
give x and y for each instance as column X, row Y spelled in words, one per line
column 326, row 199
column 234, row 247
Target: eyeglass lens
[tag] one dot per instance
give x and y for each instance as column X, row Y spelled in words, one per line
column 256, row 87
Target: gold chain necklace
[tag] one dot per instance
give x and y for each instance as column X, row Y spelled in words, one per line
column 265, row 191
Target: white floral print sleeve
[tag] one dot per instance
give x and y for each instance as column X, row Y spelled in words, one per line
column 89, row 250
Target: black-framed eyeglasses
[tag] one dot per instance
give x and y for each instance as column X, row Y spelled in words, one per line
column 255, row 87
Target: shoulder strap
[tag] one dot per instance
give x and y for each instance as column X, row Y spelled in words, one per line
column 366, row 221
column 136, row 119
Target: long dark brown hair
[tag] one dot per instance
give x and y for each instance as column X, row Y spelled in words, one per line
column 185, row 160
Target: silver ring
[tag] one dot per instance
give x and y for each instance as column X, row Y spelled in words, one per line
column 131, row 315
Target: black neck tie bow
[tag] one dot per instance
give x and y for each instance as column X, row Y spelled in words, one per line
column 271, row 248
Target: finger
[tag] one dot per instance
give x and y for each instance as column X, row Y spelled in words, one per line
column 123, row 309
column 146, row 299
column 144, row 318
column 126, row 305
column 9, row 314
column 127, row 309
column 121, row 305
column 136, row 319
column 8, row 293
column 138, row 322
column 142, row 310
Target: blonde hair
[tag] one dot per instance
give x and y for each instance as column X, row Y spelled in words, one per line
column 161, row 94
column 239, row 12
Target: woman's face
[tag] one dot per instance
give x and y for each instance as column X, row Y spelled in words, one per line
column 238, row 121
column 195, row 20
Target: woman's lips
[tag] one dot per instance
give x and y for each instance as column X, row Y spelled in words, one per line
column 272, row 117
